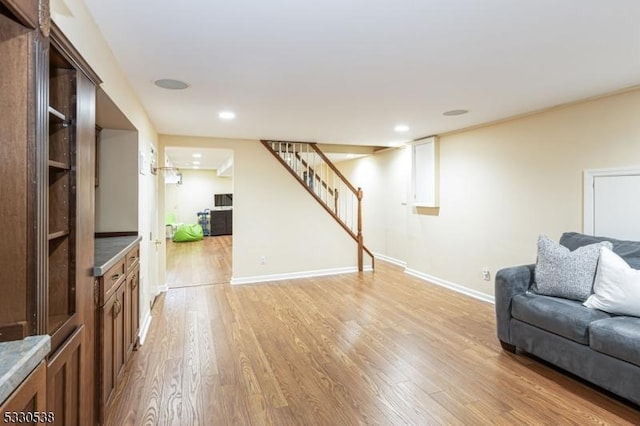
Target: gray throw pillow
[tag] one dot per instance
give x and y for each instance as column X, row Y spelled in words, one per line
column 564, row 273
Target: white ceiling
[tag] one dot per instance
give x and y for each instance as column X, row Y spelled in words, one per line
column 348, row 71
column 207, row 158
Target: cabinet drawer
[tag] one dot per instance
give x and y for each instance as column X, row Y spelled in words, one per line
column 132, row 258
column 111, row 280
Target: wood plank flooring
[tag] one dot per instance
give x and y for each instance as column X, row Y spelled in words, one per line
column 373, row 348
column 199, row 262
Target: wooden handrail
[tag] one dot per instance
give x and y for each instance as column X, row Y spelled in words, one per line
column 334, row 168
column 308, row 167
column 288, row 146
column 357, row 236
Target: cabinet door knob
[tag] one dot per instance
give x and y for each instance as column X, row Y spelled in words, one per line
column 117, row 308
column 115, row 277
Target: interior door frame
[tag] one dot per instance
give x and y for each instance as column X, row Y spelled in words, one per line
column 590, row 176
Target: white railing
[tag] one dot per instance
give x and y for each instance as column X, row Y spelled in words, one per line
column 325, row 182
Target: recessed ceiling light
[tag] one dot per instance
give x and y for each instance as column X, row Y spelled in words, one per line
column 195, row 163
column 227, row 115
column 196, row 167
column 196, row 155
column 401, row 128
column 171, row 84
column 455, row 112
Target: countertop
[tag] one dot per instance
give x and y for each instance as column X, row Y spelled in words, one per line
column 109, row 250
column 18, row 359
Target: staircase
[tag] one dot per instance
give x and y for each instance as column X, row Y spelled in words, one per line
column 320, row 177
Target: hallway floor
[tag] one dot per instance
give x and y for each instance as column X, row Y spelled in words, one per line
column 370, row 348
column 199, row 262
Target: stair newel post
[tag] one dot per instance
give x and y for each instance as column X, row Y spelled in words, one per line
column 360, row 242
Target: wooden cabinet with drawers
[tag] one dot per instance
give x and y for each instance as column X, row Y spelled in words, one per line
column 118, row 323
column 132, row 320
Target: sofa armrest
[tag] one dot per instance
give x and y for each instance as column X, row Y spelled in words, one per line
column 510, row 282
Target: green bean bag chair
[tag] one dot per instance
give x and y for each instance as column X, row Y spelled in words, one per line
column 187, row 233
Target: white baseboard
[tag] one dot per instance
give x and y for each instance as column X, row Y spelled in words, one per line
column 451, row 286
column 144, row 330
column 163, row 288
column 392, row 260
column 296, row 275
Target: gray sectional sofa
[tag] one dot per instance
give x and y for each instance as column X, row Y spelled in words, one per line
column 597, row 346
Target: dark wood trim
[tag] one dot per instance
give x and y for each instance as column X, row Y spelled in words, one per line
column 38, row 172
column 116, row 234
column 96, row 161
column 85, row 229
column 25, row 11
column 60, row 335
column 17, row 331
column 62, row 43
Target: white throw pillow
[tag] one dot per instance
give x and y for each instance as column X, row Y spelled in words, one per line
column 617, row 286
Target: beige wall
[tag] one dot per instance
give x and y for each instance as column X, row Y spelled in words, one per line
column 195, row 193
column 75, row 22
column 274, row 216
column 500, row 187
column 117, row 193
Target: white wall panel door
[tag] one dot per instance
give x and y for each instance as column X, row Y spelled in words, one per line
column 615, row 209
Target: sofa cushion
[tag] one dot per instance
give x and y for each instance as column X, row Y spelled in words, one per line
column 618, row 337
column 563, row 317
column 617, row 286
column 628, row 250
column 564, row 273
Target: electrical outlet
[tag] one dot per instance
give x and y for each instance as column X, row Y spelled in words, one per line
column 263, row 260
column 486, row 275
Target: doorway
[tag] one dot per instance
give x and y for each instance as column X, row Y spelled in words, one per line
column 190, row 200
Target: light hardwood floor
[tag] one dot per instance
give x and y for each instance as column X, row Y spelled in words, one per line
column 199, row 262
column 373, row 348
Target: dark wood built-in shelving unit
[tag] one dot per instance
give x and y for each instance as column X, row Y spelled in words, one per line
column 62, row 206
column 47, row 105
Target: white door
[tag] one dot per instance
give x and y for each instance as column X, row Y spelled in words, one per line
column 612, row 203
column 616, row 210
